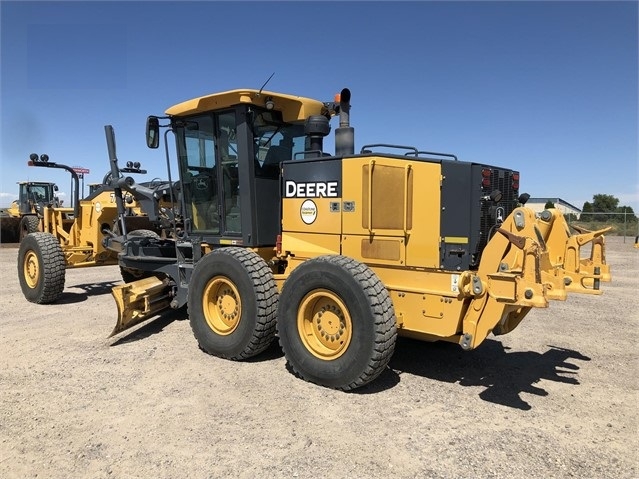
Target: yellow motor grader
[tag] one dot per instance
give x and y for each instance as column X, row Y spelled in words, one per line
column 74, row 237
column 339, row 253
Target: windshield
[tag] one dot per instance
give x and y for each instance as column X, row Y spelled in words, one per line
column 274, row 141
column 40, row 193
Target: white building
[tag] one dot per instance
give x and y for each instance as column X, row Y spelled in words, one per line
column 538, row 205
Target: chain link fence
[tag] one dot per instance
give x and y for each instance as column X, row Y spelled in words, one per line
column 623, row 224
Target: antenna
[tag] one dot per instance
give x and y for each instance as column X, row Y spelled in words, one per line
column 269, row 79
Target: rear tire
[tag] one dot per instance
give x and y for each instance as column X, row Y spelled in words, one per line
column 29, row 224
column 232, row 302
column 130, row 274
column 336, row 322
column 41, row 268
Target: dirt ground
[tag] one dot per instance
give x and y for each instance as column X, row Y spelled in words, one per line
column 558, row 397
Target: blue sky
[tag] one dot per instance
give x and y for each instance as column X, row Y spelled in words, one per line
column 547, row 88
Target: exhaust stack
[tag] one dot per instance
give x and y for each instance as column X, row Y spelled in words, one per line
column 345, row 134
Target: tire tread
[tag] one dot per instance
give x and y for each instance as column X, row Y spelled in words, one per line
column 28, row 224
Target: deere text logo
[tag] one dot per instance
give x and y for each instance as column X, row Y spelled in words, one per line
column 318, row 189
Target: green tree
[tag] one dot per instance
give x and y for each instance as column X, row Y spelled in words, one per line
column 549, row 204
column 586, row 212
column 601, row 207
column 602, row 204
column 627, row 214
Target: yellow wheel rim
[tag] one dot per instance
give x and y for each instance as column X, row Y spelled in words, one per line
column 31, row 269
column 221, row 305
column 324, row 324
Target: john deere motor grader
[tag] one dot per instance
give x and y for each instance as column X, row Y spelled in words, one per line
column 338, row 254
column 73, row 237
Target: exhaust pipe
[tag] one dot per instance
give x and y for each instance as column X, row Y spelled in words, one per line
column 345, row 134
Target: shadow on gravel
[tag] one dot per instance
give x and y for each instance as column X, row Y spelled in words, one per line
column 504, row 375
column 89, row 289
column 155, row 326
column 274, row 351
column 150, row 326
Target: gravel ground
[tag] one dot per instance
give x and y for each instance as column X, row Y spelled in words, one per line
column 555, row 398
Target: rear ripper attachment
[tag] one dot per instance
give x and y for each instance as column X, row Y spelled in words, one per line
column 529, row 262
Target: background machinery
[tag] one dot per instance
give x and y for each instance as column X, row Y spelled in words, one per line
column 73, row 237
column 23, row 216
column 338, row 254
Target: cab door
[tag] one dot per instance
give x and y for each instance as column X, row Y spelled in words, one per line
column 208, row 157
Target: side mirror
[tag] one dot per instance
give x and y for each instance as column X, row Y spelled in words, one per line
column 55, row 187
column 152, row 132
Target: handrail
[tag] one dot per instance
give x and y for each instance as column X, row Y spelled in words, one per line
column 371, row 165
column 407, row 168
column 422, row 152
column 388, row 145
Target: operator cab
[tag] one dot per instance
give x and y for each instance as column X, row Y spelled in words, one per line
column 36, row 194
column 229, row 149
column 231, row 158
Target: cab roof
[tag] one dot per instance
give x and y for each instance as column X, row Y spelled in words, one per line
column 293, row 108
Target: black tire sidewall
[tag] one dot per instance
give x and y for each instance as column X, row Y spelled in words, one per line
column 355, row 360
column 218, row 263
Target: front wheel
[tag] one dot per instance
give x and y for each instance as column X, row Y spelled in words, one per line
column 41, row 268
column 232, row 302
column 336, row 322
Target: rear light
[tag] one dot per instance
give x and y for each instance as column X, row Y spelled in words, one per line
column 486, row 173
column 515, row 181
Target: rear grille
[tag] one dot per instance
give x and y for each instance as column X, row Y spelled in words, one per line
column 501, row 180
